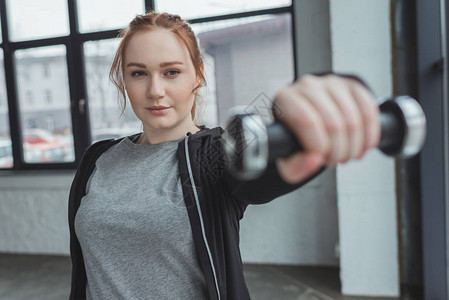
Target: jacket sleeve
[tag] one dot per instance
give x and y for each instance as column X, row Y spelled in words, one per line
column 263, row 189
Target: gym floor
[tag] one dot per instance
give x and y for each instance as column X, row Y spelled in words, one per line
column 47, row 277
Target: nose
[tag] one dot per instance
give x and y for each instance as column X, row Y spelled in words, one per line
column 155, row 88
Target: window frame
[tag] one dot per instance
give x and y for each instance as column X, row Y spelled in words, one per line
column 432, row 23
column 76, row 69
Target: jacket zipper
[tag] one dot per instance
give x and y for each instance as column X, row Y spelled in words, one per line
column 203, row 232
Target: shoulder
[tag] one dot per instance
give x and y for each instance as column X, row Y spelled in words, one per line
column 89, row 158
column 207, row 134
column 203, row 146
column 99, row 147
column 96, row 149
column 206, row 138
column 206, row 151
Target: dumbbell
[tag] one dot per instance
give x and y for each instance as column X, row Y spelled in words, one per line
column 250, row 144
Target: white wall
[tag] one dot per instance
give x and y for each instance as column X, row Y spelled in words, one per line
column 298, row 228
column 366, row 189
column 33, row 213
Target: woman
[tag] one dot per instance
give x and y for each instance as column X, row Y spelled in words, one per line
column 156, row 215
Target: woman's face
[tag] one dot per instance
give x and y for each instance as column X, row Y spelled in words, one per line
column 158, row 71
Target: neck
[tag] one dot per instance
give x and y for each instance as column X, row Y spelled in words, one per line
column 155, row 136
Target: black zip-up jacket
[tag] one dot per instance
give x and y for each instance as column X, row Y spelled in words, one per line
column 215, row 202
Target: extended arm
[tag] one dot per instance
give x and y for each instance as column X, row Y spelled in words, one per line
column 335, row 117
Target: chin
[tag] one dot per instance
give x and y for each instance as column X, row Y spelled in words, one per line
column 159, row 126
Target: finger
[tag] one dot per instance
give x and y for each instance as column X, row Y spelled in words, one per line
column 370, row 115
column 303, row 120
column 342, row 96
column 298, row 166
column 330, row 114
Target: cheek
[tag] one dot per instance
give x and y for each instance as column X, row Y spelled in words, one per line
column 134, row 91
column 183, row 92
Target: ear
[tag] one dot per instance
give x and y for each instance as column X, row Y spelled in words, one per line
column 202, row 72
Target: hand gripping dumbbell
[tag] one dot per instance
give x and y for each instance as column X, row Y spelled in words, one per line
column 250, row 144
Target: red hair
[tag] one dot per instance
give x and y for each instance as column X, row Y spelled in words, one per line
column 150, row 21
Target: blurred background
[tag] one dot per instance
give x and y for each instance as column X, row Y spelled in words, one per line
column 372, row 228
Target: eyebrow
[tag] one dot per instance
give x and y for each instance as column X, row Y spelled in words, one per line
column 169, row 63
column 163, row 64
column 136, row 65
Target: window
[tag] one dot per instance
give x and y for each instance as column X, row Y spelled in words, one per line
column 29, row 99
column 50, row 123
column 241, row 73
column 48, row 96
column 46, row 70
column 35, row 108
column 106, row 120
column 58, row 90
column 49, row 19
column 210, row 8
column 111, row 16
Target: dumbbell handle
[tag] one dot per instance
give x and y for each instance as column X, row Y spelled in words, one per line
column 282, row 142
column 251, row 145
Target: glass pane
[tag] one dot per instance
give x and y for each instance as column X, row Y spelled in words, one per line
column 6, row 160
column 44, row 103
column 204, row 8
column 31, row 19
column 252, row 59
column 114, row 14
column 105, row 105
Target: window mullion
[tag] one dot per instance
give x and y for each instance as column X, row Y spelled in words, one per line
column 4, row 25
column 11, row 91
column 13, row 109
column 149, row 5
column 77, row 85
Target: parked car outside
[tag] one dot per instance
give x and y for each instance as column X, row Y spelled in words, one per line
column 38, row 135
column 47, row 152
column 6, row 159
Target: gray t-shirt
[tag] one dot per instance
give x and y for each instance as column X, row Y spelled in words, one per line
column 133, row 227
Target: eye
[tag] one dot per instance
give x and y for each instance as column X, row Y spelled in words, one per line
column 172, row 73
column 137, row 73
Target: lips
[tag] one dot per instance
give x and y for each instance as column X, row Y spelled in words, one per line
column 158, row 107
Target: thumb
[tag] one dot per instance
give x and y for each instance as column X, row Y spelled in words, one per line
column 298, row 166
